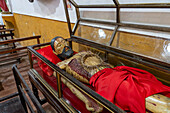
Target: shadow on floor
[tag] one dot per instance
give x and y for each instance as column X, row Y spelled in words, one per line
column 11, row 106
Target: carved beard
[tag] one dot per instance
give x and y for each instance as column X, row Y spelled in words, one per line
column 66, row 53
column 60, row 48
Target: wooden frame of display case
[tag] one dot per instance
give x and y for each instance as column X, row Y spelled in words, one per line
column 156, row 63
column 55, row 97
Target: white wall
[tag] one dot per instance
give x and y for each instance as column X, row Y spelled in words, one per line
column 1, row 20
column 54, row 9
column 50, row 9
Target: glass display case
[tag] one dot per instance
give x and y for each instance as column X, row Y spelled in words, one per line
column 103, row 29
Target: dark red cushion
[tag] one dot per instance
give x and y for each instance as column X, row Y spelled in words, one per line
column 47, row 52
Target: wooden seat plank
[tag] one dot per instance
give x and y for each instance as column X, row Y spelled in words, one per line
column 17, row 56
column 19, row 39
column 4, row 30
column 15, row 53
column 12, row 54
column 5, row 35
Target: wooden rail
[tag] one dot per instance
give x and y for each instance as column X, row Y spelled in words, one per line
column 6, row 34
column 14, row 52
column 2, row 26
column 4, row 30
column 21, row 39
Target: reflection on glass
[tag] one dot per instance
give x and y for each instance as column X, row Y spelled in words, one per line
column 119, row 61
column 102, row 34
column 95, row 13
column 149, row 16
column 166, row 52
column 93, row 2
column 157, row 48
column 98, row 35
column 142, row 1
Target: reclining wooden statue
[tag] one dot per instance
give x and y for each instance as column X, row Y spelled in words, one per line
column 129, row 88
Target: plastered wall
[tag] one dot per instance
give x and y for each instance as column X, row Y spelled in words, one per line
column 48, row 29
column 49, row 9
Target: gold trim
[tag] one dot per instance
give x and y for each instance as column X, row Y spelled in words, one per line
column 88, row 94
column 59, row 85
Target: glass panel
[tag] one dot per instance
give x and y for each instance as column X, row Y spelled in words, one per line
column 93, row 2
column 146, row 16
column 78, row 99
column 142, row 1
column 72, row 13
column 98, row 33
column 95, row 13
column 45, row 72
column 80, row 48
column 70, row 93
column 119, row 61
column 137, row 41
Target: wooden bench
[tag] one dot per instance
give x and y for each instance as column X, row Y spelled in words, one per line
column 2, row 26
column 25, row 101
column 15, row 53
column 4, row 33
column 27, row 98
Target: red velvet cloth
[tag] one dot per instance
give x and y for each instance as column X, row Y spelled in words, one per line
column 127, row 87
column 67, row 94
column 45, row 71
column 47, row 52
column 3, row 5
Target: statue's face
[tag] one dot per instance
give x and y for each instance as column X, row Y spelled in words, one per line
column 61, row 49
column 59, row 45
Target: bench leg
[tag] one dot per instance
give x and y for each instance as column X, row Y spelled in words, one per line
column 35, row 91
column 19, row 60
column 18, row 84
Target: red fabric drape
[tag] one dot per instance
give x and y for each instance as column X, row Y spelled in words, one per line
column 3, row 5
column 47, row 52
column 127, row 87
